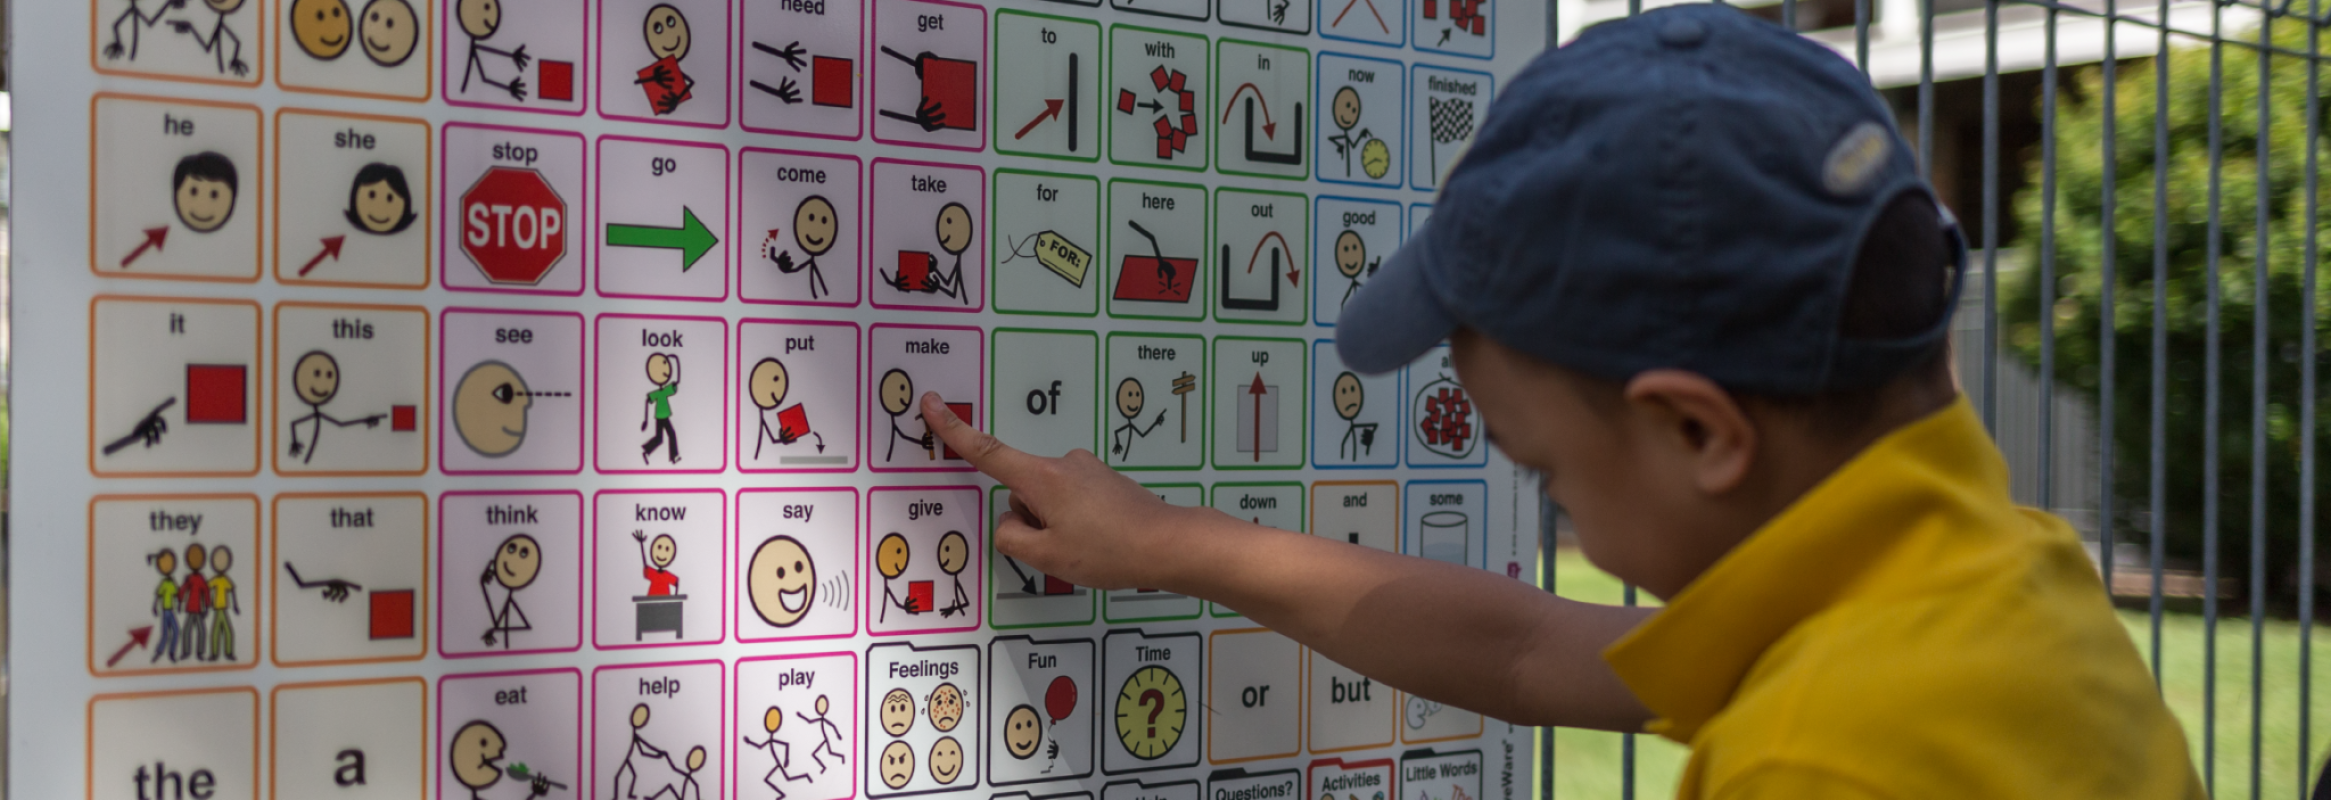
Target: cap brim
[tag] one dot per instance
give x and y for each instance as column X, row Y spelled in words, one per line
column 1395, row 318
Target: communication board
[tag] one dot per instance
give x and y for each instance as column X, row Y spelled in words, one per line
column 514, row 398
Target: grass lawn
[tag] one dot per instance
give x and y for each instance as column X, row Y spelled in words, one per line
column 1587, row 764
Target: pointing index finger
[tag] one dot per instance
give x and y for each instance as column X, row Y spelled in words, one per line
column 985, row 452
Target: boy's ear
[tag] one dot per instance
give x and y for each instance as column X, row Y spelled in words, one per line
column 1701, row 421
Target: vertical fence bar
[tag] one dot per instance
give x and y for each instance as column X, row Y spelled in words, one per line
column 2047, row 497
column 2306, row 599
column 2107, row 345
column 1861, row 35
column 2211, row 400
column 2258, row 385
column 1925, row 88
column 1546, row 509
column 1547, row 520
column 2157, row 481
column 1627, row 744
column 1990, row 402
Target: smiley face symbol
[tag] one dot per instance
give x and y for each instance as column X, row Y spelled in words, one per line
column 768, row 383
column 946, row 760
column 1022, row 732
column 954, row 553
column 317, row 378
column 898, row 765
column 814, row 225
column 1351, row 253
column 890, row 555
column 517, row 561
column 321, row 27
column 898, row 717
column 782, row 581
column 1347, row 107
column 389, row 31
column 666, row 32
column 946, row 707
column 898, row 392
column 1129, row 397
column 954, row 228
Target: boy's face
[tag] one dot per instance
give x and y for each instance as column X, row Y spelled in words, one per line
column 1605, row 466
column 204, row 204
column 663, row 550
column 659, row 369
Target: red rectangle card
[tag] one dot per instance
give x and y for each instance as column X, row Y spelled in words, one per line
column 556, row 80
column 392, row 614
column 830, row 80
column 953, row 84
column 215, row 393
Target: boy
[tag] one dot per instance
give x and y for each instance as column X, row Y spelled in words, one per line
column 1692, row 277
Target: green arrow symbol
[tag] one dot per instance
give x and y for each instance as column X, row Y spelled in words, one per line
column 692, row 239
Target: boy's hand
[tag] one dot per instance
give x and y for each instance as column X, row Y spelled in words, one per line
column 1072, row 517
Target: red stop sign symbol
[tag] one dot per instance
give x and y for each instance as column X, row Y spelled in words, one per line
column 513, row 225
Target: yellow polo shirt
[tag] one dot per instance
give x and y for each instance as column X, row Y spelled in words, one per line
column 1904, row 630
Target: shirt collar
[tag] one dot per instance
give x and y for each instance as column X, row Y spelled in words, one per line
column 1686, row 662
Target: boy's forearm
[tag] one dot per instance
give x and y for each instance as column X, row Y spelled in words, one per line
column 1447, row 633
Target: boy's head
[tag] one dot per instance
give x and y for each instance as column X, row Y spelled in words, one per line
column 1689, row 269
column 202, row 191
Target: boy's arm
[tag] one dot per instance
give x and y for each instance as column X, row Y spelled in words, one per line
column 1443, row 632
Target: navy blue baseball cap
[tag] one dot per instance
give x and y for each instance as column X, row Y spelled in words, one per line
column 1687, row 189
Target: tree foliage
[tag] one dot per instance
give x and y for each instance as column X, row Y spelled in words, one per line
column 2187, row 243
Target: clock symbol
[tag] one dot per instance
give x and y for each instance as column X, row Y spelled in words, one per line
column 1151, row 710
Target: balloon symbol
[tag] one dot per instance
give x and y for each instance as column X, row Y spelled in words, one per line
column 1060, row 698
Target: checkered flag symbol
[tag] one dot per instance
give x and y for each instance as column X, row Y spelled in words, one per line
column 1451, row 121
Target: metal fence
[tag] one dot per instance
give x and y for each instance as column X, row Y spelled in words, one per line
column 2129, row 269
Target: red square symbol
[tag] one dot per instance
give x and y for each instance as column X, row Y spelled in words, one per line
column 403, row 418
column 962, row 412
column 392, row 614
column 919, row 596
column 953, row 84
column 830, row 80
column 557, row 80
column 215, row 394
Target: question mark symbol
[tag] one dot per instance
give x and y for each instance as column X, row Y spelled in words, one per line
column 1156, row 701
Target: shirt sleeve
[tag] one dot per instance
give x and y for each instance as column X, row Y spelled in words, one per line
column 1790, row 780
